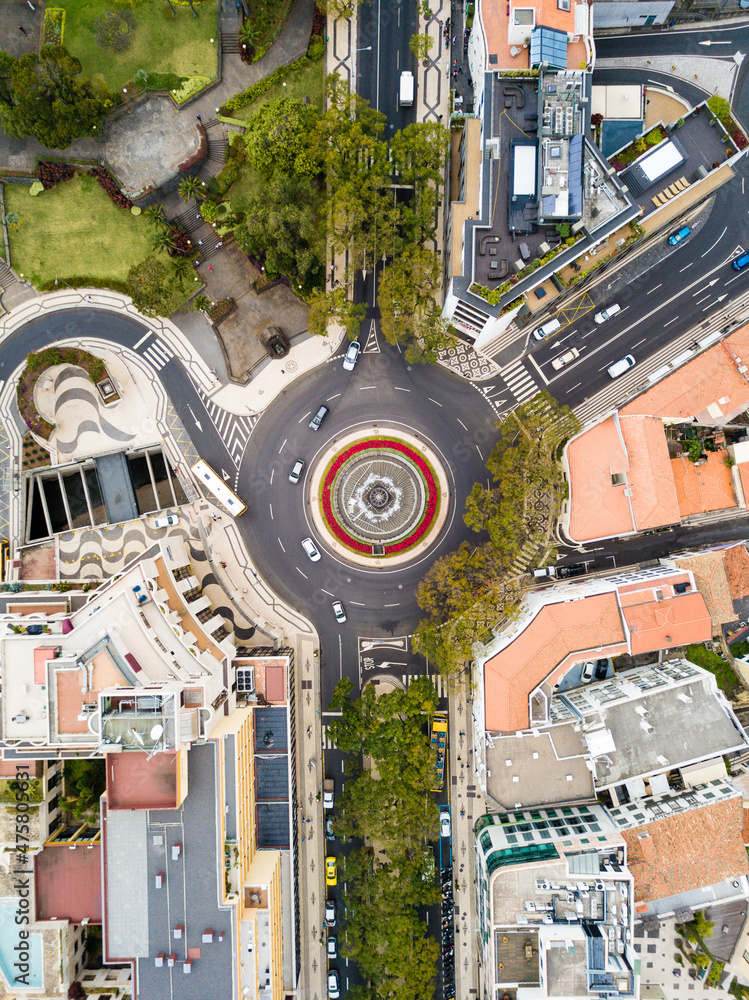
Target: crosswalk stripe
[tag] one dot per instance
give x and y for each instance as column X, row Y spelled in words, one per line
column 235, row 431
column 158, row 354
column 519, row 381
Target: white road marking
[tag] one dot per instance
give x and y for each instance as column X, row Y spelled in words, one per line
column 299, row 422
column 142, row 339
column 639, row 342
column 461, row 423
column 716, row 242
column 303, row 574
column 326, row 592
column 433, row 401
column 271, row 510
column 656, row 288
column 272, row 474
column 400, row 388
column 479, row 451
column 670, row 322
column 331, row 398
column 358, row 605
column 688, row 265
column 397, row 605
column 280, row 543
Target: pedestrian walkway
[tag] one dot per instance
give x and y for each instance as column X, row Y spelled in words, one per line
column 519, row 381
column 713, row 74
column 234, row 431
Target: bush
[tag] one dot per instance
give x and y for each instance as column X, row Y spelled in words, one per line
column 245, row 97
column 159, row 81
column 316, row 48
column 51, row 173
column 654, row 136
column 719, row 107
column 54, row 26
column 109, row 184
column 115, row 30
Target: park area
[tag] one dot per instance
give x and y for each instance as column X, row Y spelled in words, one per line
column 114, row 41
column 72, row 231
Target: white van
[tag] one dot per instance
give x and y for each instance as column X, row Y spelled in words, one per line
column 406, row 90
column 547, row 329
column 620, row 367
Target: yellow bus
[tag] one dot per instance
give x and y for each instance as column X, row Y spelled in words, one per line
column 439, row 747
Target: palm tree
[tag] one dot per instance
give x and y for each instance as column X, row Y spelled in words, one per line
column 182, row 269
column 155, row 214
column 190, row 187
column 202, row 303
column 162, row 241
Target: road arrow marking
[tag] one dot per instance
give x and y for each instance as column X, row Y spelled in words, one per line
column 710, row 41
column 197, row 422
column 705, row 287
column 226, row 478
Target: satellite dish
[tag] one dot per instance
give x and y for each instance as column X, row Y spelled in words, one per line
column 156, row 731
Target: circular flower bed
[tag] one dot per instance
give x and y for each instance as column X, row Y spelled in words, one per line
column 379, row 496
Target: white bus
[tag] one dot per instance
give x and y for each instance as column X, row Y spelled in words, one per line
column 215, row 485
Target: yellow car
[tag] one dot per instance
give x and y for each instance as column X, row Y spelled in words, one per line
column 331, row 871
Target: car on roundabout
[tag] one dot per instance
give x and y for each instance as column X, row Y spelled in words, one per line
column 331, row 871
column 339, row 612
column 311, row 549
column 296, row 470
column 320, row 414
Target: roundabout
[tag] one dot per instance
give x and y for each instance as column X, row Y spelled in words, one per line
column 380, row 498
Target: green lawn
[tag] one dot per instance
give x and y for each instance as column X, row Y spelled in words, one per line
column 305, row 82
column 73, row 230
column 727, row 680
column 162, row 43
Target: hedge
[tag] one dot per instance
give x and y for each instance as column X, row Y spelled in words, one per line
column 245, row 97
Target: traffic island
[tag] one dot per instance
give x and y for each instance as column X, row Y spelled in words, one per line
column 379, row 498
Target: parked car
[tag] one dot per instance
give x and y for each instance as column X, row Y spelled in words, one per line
column 565, row 572
column 607, row 313
column 330, row 914
column 311, row 549
column 586, row 674
column 741, row 262
column 331, row 871
column 166, row 522
column 444, row 821
column 329, row 833
column 680, row 235
column 620, row 367
column 564, row 359
column 334, row 990
column 339, row 612
column 602, row 669
column 332, row 946
column 296, row 470
column 322, row 412
column 352, row 355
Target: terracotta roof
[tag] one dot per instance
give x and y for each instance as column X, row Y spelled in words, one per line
column 598, row 509
column 737, row 570
column 702, row 488
column 654, row 500
column 743, row 469
column 677, row 621
column 693, row 849
column 557, row 631
column 710, row 576
column 495, row 18
column 710, row 388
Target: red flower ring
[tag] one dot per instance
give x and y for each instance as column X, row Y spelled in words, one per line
column 432, row 493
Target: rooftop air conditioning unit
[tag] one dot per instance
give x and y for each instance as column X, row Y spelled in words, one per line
column 20, row 719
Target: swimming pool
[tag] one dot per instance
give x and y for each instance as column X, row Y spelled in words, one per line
column 9, row 939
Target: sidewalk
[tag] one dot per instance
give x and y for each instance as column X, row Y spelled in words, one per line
column 714, row 75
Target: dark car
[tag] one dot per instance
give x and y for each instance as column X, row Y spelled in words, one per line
column 576, row 569
column 320, row 415
column 602, row 668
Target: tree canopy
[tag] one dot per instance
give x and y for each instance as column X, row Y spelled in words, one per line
column 46, row 97
column 157, row 287
column 278, row 138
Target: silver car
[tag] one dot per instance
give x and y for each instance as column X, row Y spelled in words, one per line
column 296, row 470
column 311, row 549
column 352, row 355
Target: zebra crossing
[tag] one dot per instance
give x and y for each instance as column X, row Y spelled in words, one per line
column 157, row 354
column 234, row 431
column 519, row 382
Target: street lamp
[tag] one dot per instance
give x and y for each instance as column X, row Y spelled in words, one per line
column 367, row 48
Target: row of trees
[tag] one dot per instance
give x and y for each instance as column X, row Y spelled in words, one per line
column 333, row 179
column 467, row 592
column 46, row 97
column 389, row 809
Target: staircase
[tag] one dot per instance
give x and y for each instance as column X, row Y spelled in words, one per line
column 229, row 42
column 7, row 276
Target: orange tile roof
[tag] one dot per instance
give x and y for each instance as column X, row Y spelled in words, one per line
column 677, row 621
column 693, row 849
column 743, row 468
column 598, row 509
column 702, row 488
column 554, row 633
column 495, row 18
column 737, row 570
column 710, row 388
column 711, row 580
column 654, row 500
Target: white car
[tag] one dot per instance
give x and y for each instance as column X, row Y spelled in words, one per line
column 332, row 948
column 564, row 359
column 339, row 612
column 330, row 912
column 444, row 822
column 607, row 313
column 586, row 674
column 166, row 522
column 352, row 355
column 311, row 549
column 296, row 470
column 333, row 989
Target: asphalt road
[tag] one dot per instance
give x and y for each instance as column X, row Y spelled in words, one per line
column 690, row 284
column 381, row 390
column 385, row 30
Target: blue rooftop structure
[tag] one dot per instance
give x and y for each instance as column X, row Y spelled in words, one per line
column 550, row 46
